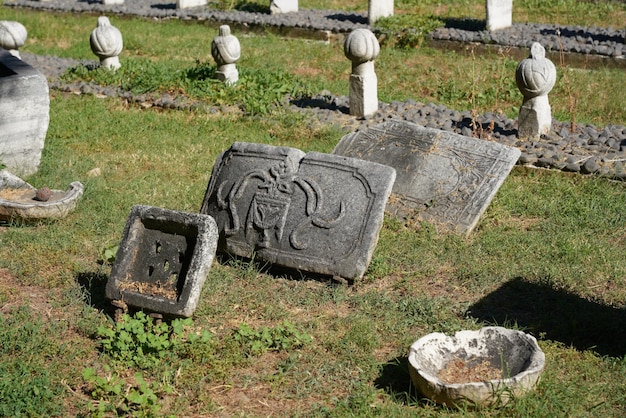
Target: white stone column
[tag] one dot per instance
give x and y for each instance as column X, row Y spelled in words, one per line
column 378, row 9
column 185, row 4
column 535, row 77
column 499, row 14
column 361, row 47
column 283, row 6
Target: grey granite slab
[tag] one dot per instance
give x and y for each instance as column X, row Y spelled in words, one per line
column 442, row 177
column 314, row 212
column 163, row 260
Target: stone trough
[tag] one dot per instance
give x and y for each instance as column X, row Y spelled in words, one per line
column 21, row 202
column 163, row 260
column 476, row 368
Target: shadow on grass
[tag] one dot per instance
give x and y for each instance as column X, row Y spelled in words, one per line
column 251, row 7
column 395, row 380
column 349, row 17
column 470, row 25
column 555, row 315
column 265, row 267
column 94, row 285
column 168, row 6
column 327, row 103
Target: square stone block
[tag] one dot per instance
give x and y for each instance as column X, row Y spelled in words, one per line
column 24, row 115
column 163, row 260
column 314, row 212
column 443, row 177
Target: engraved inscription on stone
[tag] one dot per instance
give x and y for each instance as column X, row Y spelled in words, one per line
column 315, row 212
column 442, row 177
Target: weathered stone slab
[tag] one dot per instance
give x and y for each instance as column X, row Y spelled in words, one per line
column 163, row 260
column 443, row 178
column 315, row 212
column 24, row 115
column 499, row 14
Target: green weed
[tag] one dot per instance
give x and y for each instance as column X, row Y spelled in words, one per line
column 139, row 341
column 283, row 336
column 111, row 394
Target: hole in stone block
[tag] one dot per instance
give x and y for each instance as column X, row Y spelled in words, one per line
column 168, row 248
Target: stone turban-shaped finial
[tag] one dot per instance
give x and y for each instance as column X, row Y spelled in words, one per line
column 535, row 75
column 12, row 36
column 225, row 48
column 106, row 42
column 361, row 46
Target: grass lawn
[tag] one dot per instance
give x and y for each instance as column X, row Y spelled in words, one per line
column 547, row 256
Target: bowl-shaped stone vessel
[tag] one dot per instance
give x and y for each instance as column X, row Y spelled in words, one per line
column 476, row 368
column 18, row 200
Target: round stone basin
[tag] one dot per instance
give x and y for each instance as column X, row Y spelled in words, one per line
column 18, row 202
column 476, row 368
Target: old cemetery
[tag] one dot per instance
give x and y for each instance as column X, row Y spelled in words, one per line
column 312, row 208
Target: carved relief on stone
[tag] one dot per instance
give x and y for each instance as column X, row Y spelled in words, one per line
column 315, row 212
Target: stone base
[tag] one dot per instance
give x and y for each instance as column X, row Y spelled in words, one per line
column 535, row 118
column 163, row 260
column 363, row 95
column 24, row 115
column 228, row 74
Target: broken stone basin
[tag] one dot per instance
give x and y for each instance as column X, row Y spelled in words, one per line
column 476, row 368
column 17, row 200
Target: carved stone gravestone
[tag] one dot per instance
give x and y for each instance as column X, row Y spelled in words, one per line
column 499, row 14
column 107, row 43
column 361, row 47
column 442, row 177
column 315, row 212
column 535, row 77
column 226, row 51
column 24, row 115
column 163, row 260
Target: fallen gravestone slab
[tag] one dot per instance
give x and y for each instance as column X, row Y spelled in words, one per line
column 314, row 212
column 443, row 178
column 163, row 260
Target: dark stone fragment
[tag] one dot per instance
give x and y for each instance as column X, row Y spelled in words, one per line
column 590, row 166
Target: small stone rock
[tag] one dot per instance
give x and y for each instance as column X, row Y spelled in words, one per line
column 590, row 166
column 43, row 194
